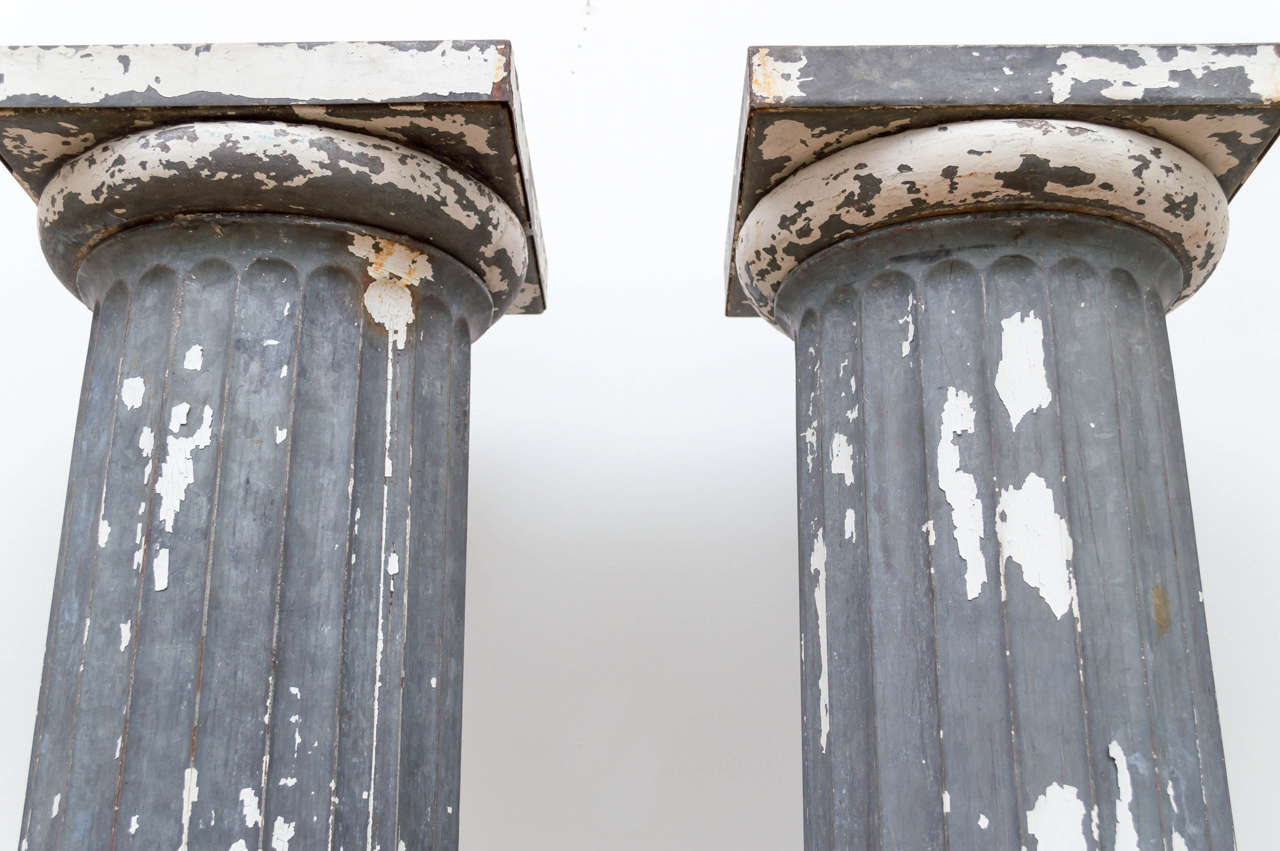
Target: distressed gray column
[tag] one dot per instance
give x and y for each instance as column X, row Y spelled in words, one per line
column 257, row 627
column 1003, row 641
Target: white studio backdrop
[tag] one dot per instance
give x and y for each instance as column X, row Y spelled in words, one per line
column 632, row 664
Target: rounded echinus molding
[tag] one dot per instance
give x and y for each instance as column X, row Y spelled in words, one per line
column 977, row 166
column 273, row 167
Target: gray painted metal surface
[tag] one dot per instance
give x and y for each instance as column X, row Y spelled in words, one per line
column 1004, row 642
column 257, row 625
column 1220, row 103
column 256, row 637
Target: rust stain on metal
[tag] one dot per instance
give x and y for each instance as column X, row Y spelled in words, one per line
column 1160, row 603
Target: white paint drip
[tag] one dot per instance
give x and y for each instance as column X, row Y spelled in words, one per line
column 190, row 794
column 842, row 458
column 194, row 358
column 131, row 392
column 177, row 471
column 394, row 268
column 961, row 490
column 160, row 569
column 1057, row 820
column 1021, row 380
column 1032, row 533
column 818, row 567
column 126, row 635
column 1126, row 832
column 281, row 833
column 249, row 806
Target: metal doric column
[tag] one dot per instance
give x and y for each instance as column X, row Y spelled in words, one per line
column 257, row 628
column 1003, row 641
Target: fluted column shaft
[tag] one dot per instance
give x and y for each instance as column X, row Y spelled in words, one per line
column 256, row 637
column 1003, row 637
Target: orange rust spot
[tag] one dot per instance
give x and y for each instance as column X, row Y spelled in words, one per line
column 770, row 79
column 1160, row 602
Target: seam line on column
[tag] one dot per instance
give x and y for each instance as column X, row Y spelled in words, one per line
column 917, row 319
column 347, row 565
column 268, row 733
column 1051, row 362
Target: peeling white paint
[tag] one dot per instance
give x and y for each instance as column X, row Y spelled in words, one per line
column 799, row 144
column 190, row 794
column 160, row 569
column 238, row 845
column 133, row 825
column 774, row 80
column 1179, row 844
column 961, row 490
column 281, row 434
column 335, row 71
column 1126, row 831
column 1031, row 532
column 842, row 458
column 249, row 806
column 104, row 533
column 966, row 169
column 1021, row 379
column 131, row 392
column 393, row 564
column 281, row 833
column 126, row 635
column 1057, row 819
column 910, row 321
column 194, row 358
column 983, row 822
column 57, row 804
column 930, row 534
column 818, row 567
column 946, row 802
column 850, row 525
column 1202, row 135
column 1153, row 72
column 177, row 471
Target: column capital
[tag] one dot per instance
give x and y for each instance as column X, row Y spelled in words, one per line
column 1203, row 115
column 419, row 138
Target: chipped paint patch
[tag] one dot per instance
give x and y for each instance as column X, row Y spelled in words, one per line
column 1126, row 831
column 1057, row 819
column 281, row 833
column 126, row 635
column 850, row 525
column 190, row 794
column 131, row 392
column 842, row 458
column 1206, row 136
column 281, row 434
column 1021, row 379
column 961, row 490
column 1031, row 533
column 57, row 804
column 249, row 807
column 133, row 825
column 983, row 822
column 177, row 471
column 160, row 570
column 104, row 533
column 774, row 80
column 194, row 358
column 1152, row 72
column 818, row 567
